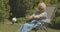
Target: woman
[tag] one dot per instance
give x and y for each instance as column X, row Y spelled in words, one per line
column 38, row 16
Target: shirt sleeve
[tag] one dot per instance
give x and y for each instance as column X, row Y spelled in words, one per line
column 45, row 13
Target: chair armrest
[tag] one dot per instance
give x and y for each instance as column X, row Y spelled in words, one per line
column 47, row 21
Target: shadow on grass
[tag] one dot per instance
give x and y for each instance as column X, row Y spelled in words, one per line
column 55, row 26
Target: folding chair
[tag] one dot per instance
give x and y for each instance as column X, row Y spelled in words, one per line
column 51, row 11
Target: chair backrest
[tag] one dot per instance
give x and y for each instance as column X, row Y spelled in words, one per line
column 51, row 11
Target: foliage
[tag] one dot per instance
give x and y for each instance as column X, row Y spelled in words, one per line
column 56, row 20
column 57, row 14
column 4, row 9
column 21, row 20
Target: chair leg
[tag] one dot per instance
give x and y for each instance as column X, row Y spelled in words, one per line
column 45, row 29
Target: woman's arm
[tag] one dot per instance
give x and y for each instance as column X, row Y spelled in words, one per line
column 39, row 16
column 29, row 17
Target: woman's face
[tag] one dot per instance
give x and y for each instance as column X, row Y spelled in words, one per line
column 40, row 8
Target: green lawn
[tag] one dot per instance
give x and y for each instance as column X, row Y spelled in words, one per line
column 14, row 28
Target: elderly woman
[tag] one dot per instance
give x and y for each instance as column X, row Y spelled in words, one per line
column 38, row 16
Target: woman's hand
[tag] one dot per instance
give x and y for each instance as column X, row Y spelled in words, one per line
column 36, row 16
column 39, row 16
column 28, row 17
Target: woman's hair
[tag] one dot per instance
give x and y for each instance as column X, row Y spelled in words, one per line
column 43, row 5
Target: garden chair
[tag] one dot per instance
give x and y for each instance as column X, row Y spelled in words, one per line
column 51, row 11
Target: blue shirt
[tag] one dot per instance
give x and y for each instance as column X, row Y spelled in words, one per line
column 38, row 13
column 38, row 19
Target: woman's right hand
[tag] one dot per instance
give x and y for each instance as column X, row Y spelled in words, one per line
column 28, row 17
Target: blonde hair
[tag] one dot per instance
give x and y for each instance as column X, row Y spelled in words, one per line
column 43, row 5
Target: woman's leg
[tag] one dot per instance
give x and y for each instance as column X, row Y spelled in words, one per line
column 25, row 27
column 20, row 28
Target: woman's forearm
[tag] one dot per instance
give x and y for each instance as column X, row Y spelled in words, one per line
column 29, row 17
column 36, row 16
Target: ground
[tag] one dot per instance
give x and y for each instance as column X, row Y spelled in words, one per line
column 6, row 27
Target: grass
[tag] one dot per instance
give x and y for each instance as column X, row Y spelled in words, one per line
column 14, row 28
column 8, row 28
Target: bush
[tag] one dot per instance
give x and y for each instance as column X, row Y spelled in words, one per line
column 56, row 20
column 4, row 9
column 21, row 20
